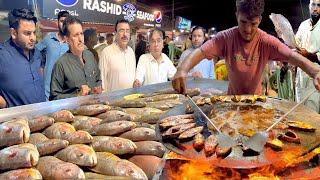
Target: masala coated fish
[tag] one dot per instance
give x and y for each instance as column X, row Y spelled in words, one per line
column 210, row 145
column 191, row 132
column 150, row 148
column 176, row 122
column 40, row 123
column 51, row 167
column 36, row 138
column 198, row 142
column 85, row 122
column 114, row 115
column 110, row 164
column 172, row 118
column 51, row 146
column 140, row 134
column 79, row 154
column 114, row 145
column 62, row 116
column 29, row 173
column 175, row 131
column 303, row 126
column 58, row 130
column 112, row 128
column 91, row 110
column 19, row 156
column 137, row 103
column 15, row 131
column 78, row 137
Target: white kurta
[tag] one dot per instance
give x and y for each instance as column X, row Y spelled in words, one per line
column 117, row 68
column 308, row 37
column 150, row 72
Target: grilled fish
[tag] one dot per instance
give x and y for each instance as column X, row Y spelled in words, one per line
column 109, row 164
column 114, row 115
column 91, row 110
column 15, row 131
column 112, row 128
column 19, row 156
column 172, row 118
column 21, row 174
column 303, row 126
column 79, row 154
column 191, row 132
column 140, row 134
column 62, row 116
column 53, row 168
column 40, row 123
column 176, row 122
column 114, row 145
column 150, row 148
column 85, row 122
column 210, row 145
column 175, row 131
column 51, row 146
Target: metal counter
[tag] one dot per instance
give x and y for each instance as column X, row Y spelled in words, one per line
column 52, row 106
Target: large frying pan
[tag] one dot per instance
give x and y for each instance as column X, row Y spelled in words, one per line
column 236, row 159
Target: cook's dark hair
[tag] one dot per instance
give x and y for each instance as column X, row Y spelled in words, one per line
column 67, row 22
column 251, row 8
column 120, row 21
column 16, row 15
column 63, row 14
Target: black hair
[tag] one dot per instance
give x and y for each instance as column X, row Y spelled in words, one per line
column 120, row 21
column 101, row 39
column 16, row 15
column 251, row 8
column 160, row 31
column 63, row 14
column 88, row 33
column 198, row 27
column 67, row 22
column 110, row 35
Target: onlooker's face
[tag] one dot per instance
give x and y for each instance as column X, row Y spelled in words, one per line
column 75, row 39
column 156, row 45
column 60, row 23
column 94, row 39
column 110, row 39
column 314, row 7
column 24, row 36
column 197, row 38
column 248, row 26
column 123, row 34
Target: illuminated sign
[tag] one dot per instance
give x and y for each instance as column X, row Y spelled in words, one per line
column 183, row 23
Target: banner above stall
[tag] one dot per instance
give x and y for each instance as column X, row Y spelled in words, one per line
column 103, row 11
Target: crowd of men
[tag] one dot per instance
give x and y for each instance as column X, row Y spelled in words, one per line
column 78, row 63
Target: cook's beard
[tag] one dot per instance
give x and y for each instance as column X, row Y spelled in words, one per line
column 314, row 18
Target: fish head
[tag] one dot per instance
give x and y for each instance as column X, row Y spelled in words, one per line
column 85, row 155
column 126, row 168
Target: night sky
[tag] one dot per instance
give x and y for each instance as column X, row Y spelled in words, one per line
column 206, row 14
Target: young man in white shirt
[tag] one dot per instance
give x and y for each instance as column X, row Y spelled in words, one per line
column 154, row 67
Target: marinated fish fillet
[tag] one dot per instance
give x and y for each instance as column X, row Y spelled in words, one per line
column 78, row 137
column 140, row 134
column 176, row 122
column 151, row 118
column 29, row 173
column 58, row 130
column 175, row 131
column 210, row 145
column 150, row 148
column 40, row 123
column 85, row 122
column 191, row 132
column 15, row 131
column 62, row 116
column 112, row 128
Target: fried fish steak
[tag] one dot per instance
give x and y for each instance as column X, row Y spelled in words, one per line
column 303, row 126
column 191, row 132
column 175, row 131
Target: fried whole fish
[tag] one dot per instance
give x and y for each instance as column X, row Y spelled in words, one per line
column 191, row 132
column 21, row 174
column 91, row 110
column 172, row 118
column 110, row 164
column 58, row 130
column 15, row 131
column 198, row 142
column 175, row 131
column 176, row 122
column 19, row 156
column 112, row 128
column 210, row 145
column 114, row 145
column 79, row 154
column 140, row 134
column 114, row 115
column 150, row 148
column 137, row 103
column 78, row 137
column 51, row 167
column 62, row 116
column 40, row 123
column 85, row 122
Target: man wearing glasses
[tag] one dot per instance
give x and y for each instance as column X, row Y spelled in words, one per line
column 118, row 63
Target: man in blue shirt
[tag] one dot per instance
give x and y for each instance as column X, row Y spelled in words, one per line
column 21, row 81
column 205, row 69
column 54, row 46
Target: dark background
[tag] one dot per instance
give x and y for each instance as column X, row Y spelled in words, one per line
column 221, row 13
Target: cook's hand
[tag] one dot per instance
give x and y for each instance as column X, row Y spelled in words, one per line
column 179, row 81
column 3, row 103
column 84, row 90
column 136, row 83
column 316, row 81
column 97, row 90
column 197, row 74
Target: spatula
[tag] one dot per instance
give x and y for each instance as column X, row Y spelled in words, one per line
column 259, row 139
column 224, row 140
